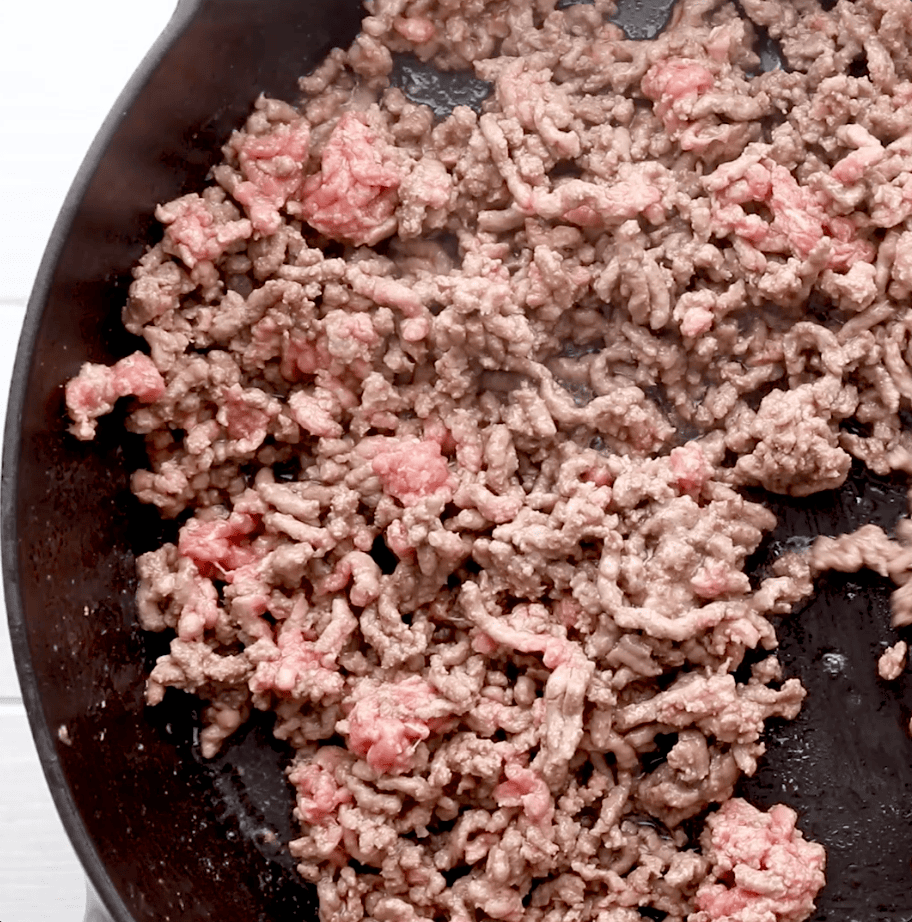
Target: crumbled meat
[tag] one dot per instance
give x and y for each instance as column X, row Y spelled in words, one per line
column 892, row 662
column 93, row 392
column 870, row 547
column 354, row 195
column 201, row 228
column 796, row 449
column 769, row 870
column 461, row 417
column 386, row 723
column 272, row 166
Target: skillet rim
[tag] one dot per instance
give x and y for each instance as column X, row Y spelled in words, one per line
column 102, row 895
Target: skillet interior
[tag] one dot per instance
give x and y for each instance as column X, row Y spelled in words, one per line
column 164, row 835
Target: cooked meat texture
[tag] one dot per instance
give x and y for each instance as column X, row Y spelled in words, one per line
column 456, row 412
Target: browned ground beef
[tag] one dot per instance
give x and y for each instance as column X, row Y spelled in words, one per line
column 460, row 408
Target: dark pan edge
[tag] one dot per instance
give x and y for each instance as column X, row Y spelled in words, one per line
column 100, row 887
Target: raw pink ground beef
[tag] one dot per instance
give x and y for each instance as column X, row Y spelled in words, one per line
column 94, row 391
column 774, row 874
column 353, row 196
column 271, row 167
column 411, row 469
column 418, row 388
column 385, row 725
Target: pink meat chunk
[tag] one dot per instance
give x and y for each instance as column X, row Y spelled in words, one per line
column 319, row 794
column 196, row 232
column 301, row 356
column 389, row 293
column 674, row 85
column 868, row 152
column 771, row 872
column 690, row 468
column 89, row 395
column 411, row 469
column 314, row 415
column 853, row 166
column 219, row 544
column 362, row 571
column 556, row 650
column 137, row 375
column 273, row 168
column 799, row 221
column 527, row 789
column 417, row 29
column 892, row 661
column 297, row 667
column 354, row 196
column 386, row 725
column 246, row 414
column 95, row 390
column 696, row 321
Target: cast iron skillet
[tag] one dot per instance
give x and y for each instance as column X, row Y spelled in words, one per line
column 162, row 834
column 158, row 837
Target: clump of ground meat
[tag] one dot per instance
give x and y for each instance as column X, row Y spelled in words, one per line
column 456, row 412
column 892, row 661
column 763, row 866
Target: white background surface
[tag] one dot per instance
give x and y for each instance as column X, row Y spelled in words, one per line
column 62, row 67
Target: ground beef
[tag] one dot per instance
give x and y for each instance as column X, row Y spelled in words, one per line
column 457, row 409
column 764, row 867
column 892, row 662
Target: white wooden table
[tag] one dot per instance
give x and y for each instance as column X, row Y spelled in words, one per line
column 62, row 66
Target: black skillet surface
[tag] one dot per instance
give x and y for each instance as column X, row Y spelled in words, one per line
column 166, row 836
column 845, row 763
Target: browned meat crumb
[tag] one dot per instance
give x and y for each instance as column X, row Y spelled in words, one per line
column 456, row 413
